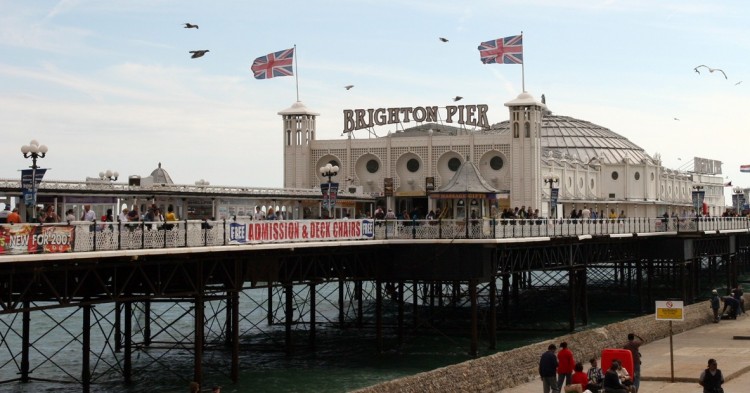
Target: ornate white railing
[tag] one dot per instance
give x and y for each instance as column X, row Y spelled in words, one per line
column 80, row 236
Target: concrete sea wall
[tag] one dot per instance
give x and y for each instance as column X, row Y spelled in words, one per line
column 511, row 368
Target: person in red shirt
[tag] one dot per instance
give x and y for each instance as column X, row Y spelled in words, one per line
column 565, row 364
column 14, row 217
column 580, row 380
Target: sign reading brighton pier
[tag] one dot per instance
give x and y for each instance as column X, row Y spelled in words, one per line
column 471, row 115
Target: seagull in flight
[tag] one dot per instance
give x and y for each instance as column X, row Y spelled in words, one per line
column 190, row 26
column 348, row 87
column 738, row 83
column 443, row 39
column 677, row 119
column 710, row 70
column 198, row 53
column 457, row 98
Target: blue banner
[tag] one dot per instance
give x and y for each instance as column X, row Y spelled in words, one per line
column 30, row 180
column 329, row 190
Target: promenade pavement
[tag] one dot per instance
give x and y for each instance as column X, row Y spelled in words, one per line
column 691, row 349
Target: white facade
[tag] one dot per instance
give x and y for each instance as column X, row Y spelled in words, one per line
column 514, row 158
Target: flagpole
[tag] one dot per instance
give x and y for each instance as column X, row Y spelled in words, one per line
column 523, row 77
column 296, row 76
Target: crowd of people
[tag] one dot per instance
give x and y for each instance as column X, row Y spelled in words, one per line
column 560, row 373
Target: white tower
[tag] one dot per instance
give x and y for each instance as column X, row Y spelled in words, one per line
column 299, row 132
column 526, row 177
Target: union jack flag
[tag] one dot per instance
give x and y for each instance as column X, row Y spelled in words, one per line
column 274, row 64
column 508, row 50
column 744, row 168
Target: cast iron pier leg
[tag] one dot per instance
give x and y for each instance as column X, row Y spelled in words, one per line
column 379, row 315
column 474, row 318
column 236, row 335
column 198, row 356
column 312, row 315
column 493, row 312
column 127, row 368
column 86, row 350
column 289, row 310
column 341, row 303
column 26, row 340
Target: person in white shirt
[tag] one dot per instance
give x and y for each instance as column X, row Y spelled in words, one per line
column 88, row 214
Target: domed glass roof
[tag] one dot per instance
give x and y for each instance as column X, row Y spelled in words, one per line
column 569, row 138
column 161, row 176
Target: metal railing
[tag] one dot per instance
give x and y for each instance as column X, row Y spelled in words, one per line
column 83, row 236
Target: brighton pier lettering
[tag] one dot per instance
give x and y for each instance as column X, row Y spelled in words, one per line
column 357, row 119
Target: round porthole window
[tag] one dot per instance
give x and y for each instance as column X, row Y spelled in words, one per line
column 496, row 163
column 615, row 175
column 453, row 164
column 372, row 166
column 637, row 176
column 412, row 165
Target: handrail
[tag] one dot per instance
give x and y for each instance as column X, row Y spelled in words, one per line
column 84, row 236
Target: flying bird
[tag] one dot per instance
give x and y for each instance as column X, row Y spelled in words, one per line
column 443, row 39
column 348, row 87
column 190, row 26
column 738, row 83
column 198, row 53
column 457, row 98
column 710, row 70
column 677, row 119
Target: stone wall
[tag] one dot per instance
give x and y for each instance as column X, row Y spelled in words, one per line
column 511, row 368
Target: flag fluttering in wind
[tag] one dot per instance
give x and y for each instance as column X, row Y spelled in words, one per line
column 508, row 50
column 744, row 168
column 279, row 63
column 728, row 184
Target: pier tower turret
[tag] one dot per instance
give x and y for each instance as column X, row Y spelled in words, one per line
column 526, row 177
column 299, row 132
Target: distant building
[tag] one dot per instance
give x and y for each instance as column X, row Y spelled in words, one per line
column 596, row 168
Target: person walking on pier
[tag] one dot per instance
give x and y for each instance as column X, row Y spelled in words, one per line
column 737, row 294
column 633, row 345
column 715, row 304
column 711, row 378
column 566, row 362
column 547, row 368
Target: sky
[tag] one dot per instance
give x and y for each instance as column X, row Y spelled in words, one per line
column 111, row 85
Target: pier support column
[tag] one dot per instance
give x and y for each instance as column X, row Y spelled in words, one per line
column 400, row 297
column 379, row 314
column 312, row 315
column 269, row 315
column 25, row 341
column 506, row 297
column 86, row 349
column 341, row 303
column 493, row 312
column 118, row 327
column 198, row 345
column 288, row 316
column 639, row 285
column 235, row 296
column 572, row 299
column 147, row 323
column 127, row 361
column 360, row 306
column 474, row 318
column 415, row 303
column 583, row 295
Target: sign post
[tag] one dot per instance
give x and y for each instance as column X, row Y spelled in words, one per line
column 670, row 310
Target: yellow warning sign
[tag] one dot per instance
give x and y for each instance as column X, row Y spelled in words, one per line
column 670, row 310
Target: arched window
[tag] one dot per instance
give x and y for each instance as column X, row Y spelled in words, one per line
column 288, row 137
column 299, row 138
column 515, row 130
column 527, row 130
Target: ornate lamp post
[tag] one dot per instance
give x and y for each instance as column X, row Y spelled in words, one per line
column 551, row 179
column 109, row 175
column 329, row 171
column 34, row 151
column 739, row 200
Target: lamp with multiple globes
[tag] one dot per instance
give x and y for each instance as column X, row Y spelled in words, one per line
column 329, row 171
column 34, row 151
column 109, row 175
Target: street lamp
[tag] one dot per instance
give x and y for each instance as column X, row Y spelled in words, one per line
column 698, row 197
column 551, row 179
column 739, row 200
column 34, row 151
column 109, row 175
column 329, row 171
column 202, row 183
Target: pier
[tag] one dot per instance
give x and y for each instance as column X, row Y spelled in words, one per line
column 125, row 293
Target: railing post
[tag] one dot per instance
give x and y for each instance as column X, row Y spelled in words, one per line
column 224, row 233
column 94, row 227
column 440, row 227
column 186, row 232
column 143, row 235
column 119, row 235
column 413, row 228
